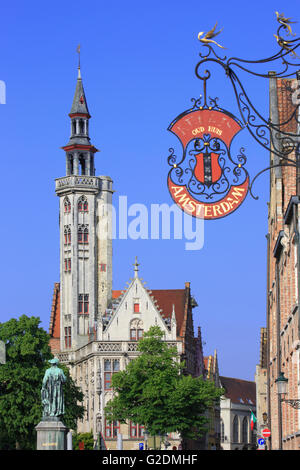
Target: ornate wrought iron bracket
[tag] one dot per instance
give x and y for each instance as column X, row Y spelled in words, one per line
column 271, row 135
column 293, row 403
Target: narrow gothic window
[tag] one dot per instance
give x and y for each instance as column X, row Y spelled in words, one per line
column 86, row 304
column 110, row 368
column 136, row 307
column 67, row 205
column 245, row 430
column 67, row 265
column 83, row 234
column 83, row 304
column 83, row 205
column 235, row 429
column 68, row 337
column 102, row 267
column 67, row 235
column 81, row 126
column 82, row 164
column 222, row 431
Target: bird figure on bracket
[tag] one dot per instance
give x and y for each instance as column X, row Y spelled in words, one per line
column 285, row 22
column 208, row 37
column 285, row 45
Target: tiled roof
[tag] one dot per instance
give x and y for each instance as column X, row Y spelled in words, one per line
column 239, row 391
column 165, row 301
column 165, row 298
column 54, row 328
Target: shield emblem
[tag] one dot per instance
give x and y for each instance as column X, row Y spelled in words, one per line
column 206, row 182
column 207, row 169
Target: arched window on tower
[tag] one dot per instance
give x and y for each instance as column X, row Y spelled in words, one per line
column 83, row 204
column 67, row 205
column 71, row 164
column 83, row 234
column 86, row 235
column 74, row 126
column 67, row 235
column 82, row 164
column 81, row 126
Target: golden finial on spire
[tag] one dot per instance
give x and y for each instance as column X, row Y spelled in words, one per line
column 209, row 35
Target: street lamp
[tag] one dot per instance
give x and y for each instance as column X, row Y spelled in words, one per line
column 282, row 383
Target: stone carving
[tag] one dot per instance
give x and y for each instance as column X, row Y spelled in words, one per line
column 52, row 391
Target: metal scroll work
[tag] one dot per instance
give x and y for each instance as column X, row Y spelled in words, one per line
column 207, row 180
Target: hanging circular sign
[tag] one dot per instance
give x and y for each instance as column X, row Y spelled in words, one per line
column 206, row 181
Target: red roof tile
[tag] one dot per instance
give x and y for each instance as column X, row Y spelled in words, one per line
column 166, row 298
column 54, row 329
column 237, row 390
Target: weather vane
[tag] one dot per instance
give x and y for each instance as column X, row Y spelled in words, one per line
column 207, row 180
column 78, row 51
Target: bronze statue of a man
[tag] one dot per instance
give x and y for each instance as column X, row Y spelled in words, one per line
column 52, row 390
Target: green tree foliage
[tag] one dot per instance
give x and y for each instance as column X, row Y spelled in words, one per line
column 27, row 356
column 86, row 437
column 154, row 392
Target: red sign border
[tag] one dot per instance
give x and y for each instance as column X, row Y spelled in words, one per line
column 245, row 186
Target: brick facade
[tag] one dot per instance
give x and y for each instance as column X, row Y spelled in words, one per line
column 283, row 277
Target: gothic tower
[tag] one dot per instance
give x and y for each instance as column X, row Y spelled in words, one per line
column 85, row 234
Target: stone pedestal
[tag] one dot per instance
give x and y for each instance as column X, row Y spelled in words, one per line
column 51, row 434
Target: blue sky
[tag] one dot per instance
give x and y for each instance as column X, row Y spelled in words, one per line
column 137, row 62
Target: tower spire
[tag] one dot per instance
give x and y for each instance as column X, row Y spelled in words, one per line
column 136, row 267
column 78, row 50
column 79, row 151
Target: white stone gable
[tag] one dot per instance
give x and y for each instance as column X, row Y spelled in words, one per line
column 136, row 310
